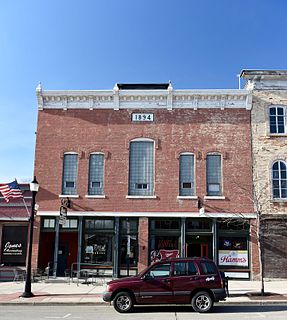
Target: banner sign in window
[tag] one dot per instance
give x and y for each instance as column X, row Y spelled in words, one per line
column 237, row 258
column 141, row 117
column 14, row 245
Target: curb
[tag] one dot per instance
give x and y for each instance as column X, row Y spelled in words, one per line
column 223, row 303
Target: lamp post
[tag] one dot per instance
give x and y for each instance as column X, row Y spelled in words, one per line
column 34, row 187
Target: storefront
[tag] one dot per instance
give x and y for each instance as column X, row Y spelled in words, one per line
column 113, row 243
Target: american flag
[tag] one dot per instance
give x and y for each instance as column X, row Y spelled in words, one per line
column 11, row 191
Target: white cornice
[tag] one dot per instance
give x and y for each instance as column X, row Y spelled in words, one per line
column 143, row 99
column 149, row 214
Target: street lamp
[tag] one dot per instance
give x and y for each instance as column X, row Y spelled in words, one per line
column 34, row 187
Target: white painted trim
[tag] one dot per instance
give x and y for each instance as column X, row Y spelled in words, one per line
column 142, row 140
column 187, row 197
column 214, row 197
column 144, row 99
column 149, row 214
column 141, row 197
column 98, row 196
column 72, row 196
column 13, row 219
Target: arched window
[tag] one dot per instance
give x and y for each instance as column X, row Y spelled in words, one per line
column 279, row 180
column 141, row 167
column 96, row 174
column 213, row 175
column 277, row 119
column 70, row 174
column 186, row 174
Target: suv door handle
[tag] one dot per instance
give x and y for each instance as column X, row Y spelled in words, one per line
column 166, row 280
column 194, row 278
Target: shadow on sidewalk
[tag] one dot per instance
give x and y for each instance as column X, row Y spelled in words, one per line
column 217, row 309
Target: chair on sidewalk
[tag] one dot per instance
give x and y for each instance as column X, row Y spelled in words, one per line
column 37, row 274
column 19, row 275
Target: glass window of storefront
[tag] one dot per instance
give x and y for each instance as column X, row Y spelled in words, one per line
column 198, row 225
column 128, row 242
column 233, row 244
column 164, row 239
column 98, row 243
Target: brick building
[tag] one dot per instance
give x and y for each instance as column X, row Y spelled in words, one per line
column 148, row 172
column 14, row 220
column 269, row 144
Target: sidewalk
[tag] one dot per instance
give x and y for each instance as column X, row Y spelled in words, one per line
column 241, row 292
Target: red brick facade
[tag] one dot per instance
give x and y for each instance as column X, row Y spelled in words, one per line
column 109, row 131
column 199, row 131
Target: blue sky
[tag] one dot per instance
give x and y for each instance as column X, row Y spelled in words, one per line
column 92, row 44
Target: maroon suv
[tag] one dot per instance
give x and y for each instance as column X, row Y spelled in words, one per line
column 176, row 281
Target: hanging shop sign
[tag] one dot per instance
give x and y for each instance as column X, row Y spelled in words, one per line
column 237, row 258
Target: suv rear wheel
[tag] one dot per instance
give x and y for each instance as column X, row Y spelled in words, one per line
column 202, row 302
column 123, row 302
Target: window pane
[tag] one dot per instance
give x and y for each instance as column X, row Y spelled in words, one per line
column 276, row 193
column 184, row 269
column 213, row 174
column 70, row 173
column 207, row 268
column 186, row 175
column 284, row 193
column 282, row 166
column 96, row 174
column 281, row 129
column 276, row 174
column 162, row 270
column 280, row 111
column 272, row 111
column 141, row 168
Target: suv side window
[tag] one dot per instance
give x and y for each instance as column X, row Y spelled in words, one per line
column 162, row 270
column 207, row 267
column 185, row 269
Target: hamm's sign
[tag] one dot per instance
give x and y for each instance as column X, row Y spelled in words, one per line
column 237, row 258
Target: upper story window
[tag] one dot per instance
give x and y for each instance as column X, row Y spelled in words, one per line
column 279, row 180
column 213, row 175
column 277, row 120
column 70, row 174
column 96, row 174
column 141, row 168
column 186, row 174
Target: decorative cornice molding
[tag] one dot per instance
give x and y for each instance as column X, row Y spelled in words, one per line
column 144, row 99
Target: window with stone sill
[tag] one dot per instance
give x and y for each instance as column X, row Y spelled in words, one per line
column 277, row 120
column 96, row 174
column 186, row 174
column 141, row 167
column 213, row 175
column 70, row 174
column 279, row 180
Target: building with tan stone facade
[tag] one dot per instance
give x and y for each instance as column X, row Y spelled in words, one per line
column 269, row 149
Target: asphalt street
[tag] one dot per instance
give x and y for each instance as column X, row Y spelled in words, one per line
column 274, row 312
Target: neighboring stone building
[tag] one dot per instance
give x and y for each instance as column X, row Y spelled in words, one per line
column 269, row 141
column 147, row 172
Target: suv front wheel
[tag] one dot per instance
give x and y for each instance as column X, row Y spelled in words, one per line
column 202, row 302
column 123, row 302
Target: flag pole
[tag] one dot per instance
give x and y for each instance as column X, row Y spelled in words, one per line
column 28, row 213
